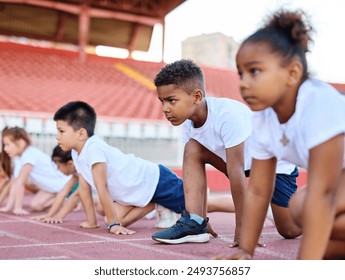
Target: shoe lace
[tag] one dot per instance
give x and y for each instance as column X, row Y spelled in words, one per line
column 179, row 223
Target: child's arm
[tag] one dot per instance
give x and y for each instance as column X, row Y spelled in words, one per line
column 99, row 173
column 59, row 199
column 235, row 171
column 325, row 164
column 16, row 195
column 66, row 209
column 5, row 189
column 87, row 202
column 256, row 201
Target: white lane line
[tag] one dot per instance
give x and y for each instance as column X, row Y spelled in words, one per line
column 101, row 239
column 9, row 221
column 262, row 250
column 274, row 253
column 47, row 258
column 10, row 235
column 50, row 244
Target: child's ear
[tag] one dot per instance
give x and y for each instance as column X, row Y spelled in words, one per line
column 70, row 164
column 295, row 72
column 197, row 95
column 83, row 134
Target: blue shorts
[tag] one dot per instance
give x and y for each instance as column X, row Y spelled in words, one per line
column 285, row 187
column 169, row 192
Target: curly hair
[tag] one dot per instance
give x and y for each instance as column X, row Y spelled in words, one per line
column 182, row 73
column 287, row 33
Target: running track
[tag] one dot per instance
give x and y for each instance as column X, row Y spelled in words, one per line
column 25, row 239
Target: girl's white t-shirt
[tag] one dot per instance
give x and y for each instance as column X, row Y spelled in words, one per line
column 44, row 174
column 131, row 180
column 228, row 123
column 319, row 116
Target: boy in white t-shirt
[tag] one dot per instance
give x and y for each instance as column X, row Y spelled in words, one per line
column 216, row 132
column 128, row 187
column 298, row 119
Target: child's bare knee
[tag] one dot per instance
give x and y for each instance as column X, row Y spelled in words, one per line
column 289, row 233
column 36, row 207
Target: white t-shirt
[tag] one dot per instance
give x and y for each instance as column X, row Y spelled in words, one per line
column 131, row 180
column 44, row 174
column 319, row 116
column 228, row 124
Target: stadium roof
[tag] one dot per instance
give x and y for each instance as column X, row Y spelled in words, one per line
column 124, row 24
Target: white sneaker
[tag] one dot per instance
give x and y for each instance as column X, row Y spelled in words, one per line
column 269, row 215
column 151, row 215
column 165, row 217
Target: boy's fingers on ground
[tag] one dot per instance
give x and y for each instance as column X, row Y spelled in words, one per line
column 122, row 231
column 234, row 244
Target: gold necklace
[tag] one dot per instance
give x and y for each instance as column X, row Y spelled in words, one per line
column 284, row 140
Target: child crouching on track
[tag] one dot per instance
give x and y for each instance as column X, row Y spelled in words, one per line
column 67, row 198
column 135, row 184
column 32, row 165
column 297, row 119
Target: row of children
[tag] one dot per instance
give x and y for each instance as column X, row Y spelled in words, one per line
column 291, row 126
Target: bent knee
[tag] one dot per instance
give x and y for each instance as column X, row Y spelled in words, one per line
column 193, row 146
column 289, row 233
column 36, row 207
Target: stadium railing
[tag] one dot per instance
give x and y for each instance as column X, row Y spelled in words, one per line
column 157, row 141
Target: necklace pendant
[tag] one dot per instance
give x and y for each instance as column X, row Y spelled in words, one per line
column 284, row 140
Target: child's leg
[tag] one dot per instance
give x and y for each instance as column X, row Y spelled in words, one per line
column 296, row 206
column 284, row 223
column 31, row 187
column 285, row 187
column 195, row 158
column 42, row 200
column 220, row 203
column 335, row 250
column 5, row 190
column 127, row 215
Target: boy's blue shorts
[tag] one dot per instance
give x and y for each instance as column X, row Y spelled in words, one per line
column 285, row 187
column 169, row 192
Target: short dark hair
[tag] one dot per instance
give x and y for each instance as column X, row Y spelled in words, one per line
column 182, row 73
column 63, row 156
column 78, row 114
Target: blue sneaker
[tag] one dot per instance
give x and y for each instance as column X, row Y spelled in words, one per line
column 185, row 230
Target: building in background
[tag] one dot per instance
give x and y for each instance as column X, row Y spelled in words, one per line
column 215, row 50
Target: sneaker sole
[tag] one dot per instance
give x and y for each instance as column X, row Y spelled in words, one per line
column 199, row 238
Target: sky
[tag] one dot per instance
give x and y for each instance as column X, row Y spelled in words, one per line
column 240, row 18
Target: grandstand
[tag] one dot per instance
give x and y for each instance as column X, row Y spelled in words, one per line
column 35, row 81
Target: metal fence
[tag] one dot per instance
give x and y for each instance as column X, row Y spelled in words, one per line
column 156, row 141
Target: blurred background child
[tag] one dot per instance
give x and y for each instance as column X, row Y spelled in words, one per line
column 33, row 165
column 68, row 193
